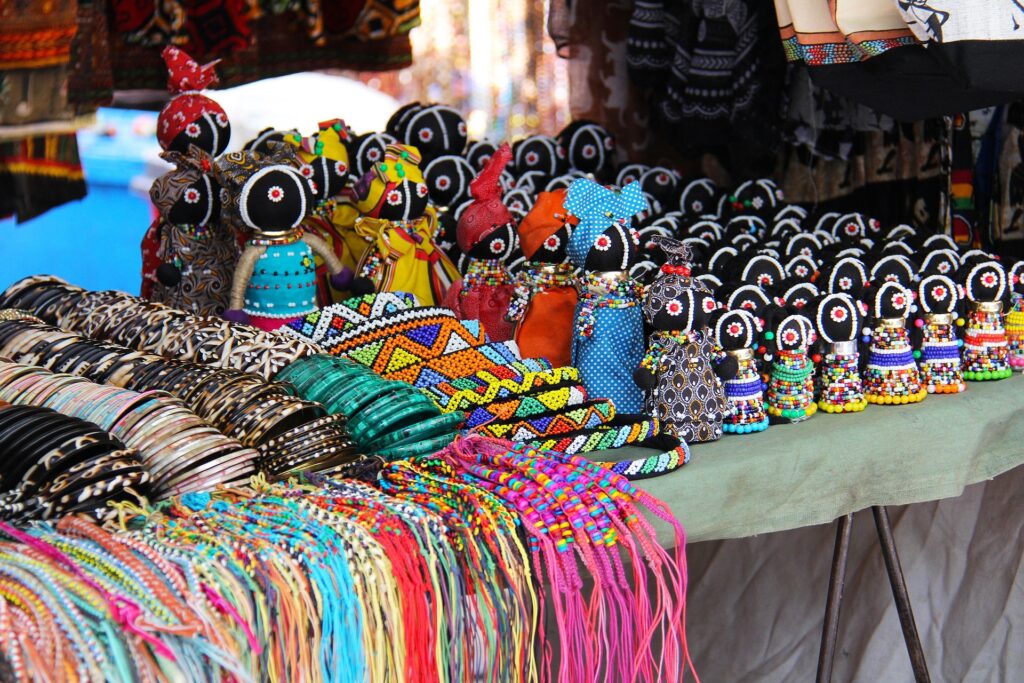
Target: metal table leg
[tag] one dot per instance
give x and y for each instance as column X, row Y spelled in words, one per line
column 830, row 631
column 900, row 595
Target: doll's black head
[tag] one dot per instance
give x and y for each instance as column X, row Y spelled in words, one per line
column 617, row 248
column 735, row 329
column 209, row 132
column 678, row 304
column 750, row 298
column 794, row 212
column 553, row 249
column 720, row 261
column 1016, row 278
column 479, row 153
column 902, row 232
column 799, row 295
column 846, row 276
column 804, row 244
column 589, row 148
column 199, row 203
column 367, row 150
column 448, row 179
column 752, row 226
column 398, row 124
column 941, row 262
column 893, row 268
column 801, row 268
column 941, row 242
column 539, row 153
column 630, row 173
column 890, row 300
column 532, row 182
column 662, row 184
column 706, row 229
column 519, row 202
column 764, row 271
column 275, row 199
column 755, row 197
column 785, row 229
column 699, row 198
column 937, row 294
column 853, row 227
column 794, row 333
column 838, row 318
column 260, row 143
column 405, row 200
column 498, row 244
column 898, row 247
column 984, row 281
column 436, row 130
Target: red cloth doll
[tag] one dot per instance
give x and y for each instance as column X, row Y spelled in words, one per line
column 486, row 234
column 545, row 305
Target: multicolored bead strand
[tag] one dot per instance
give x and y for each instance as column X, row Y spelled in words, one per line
column 841, row 388
column 986, row 349
column 939, row 358
column 745, row 395
column 1015, row 333
column 791, row 386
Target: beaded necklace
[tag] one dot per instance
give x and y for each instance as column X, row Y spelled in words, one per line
column 892, row 376
column 745, row 395
column 262, row 240
column 485, row 272
column 1015, row 332
column 596, row 291
column 842, row 390
column 985, row 349
column 535, row 278
column 790, row 388
column 939, row 358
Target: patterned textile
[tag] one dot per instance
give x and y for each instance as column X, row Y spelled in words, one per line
column 538, row 402
column 845, row 31
column 38, row 174
column 325, row 325
column 688, row 395
column 496, row 383
column 553, row 424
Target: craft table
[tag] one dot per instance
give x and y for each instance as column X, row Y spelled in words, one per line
column 832, row 466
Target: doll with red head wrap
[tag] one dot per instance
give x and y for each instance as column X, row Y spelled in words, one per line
column 486, row 235
column 545, row 300
column 192, row 129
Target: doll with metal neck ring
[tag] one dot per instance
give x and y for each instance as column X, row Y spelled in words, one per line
column 790, row 395
column 938, row 349
column 197, row 251
column 838, row 320
column 1015, row 318
column 486, row 234
column 544, row 304
column 684, row 368
column 891, row 376
column 268, row 198
column 390, row 228
column 609, row 332
column 736, row 333
column 986, row 348
column 325, row 162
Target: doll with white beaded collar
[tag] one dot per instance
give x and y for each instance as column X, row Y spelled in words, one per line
column 736, row 333
column 938, row 348
column 985, row 353
column 838, row 319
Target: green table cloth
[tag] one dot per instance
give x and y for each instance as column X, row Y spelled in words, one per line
column 816, row 471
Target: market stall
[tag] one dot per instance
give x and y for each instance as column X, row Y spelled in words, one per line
column 685, row 339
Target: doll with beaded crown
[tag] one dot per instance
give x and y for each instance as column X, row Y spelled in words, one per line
column 192, row 129
column 608, row 338
column 267, row 199
column 545, row 294
column 736, row 333
column 838, row 320
column 938, row 349
column 790, row 395
column 1015, row 318
column 986, row 348
column 891, row 376
column 486, row 234
column 683, row 369
column 390, row 230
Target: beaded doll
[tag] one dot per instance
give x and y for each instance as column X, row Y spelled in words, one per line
column 683, row 368
column 545, row 293
column 325, row 161
column 609, row 332
column 1015, row 318
column 985, row 350
column 790, row 396
column 267, row 199
column 197, row 251
column 486, row 234
column 590, row 149
column 736, row 334
column 891, row 376
column 938, row 349
column 188, row 120
column 390, row 229
column 838, row 320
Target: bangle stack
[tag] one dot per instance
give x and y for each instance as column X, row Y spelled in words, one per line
column 266, row 416
column 181, row 452
column 154, row 328
column 52, row 465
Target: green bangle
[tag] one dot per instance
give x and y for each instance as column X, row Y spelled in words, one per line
column 353, row 402
column 373, row 427
column 417, row 449
column 330, row 389
column 446, row 423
